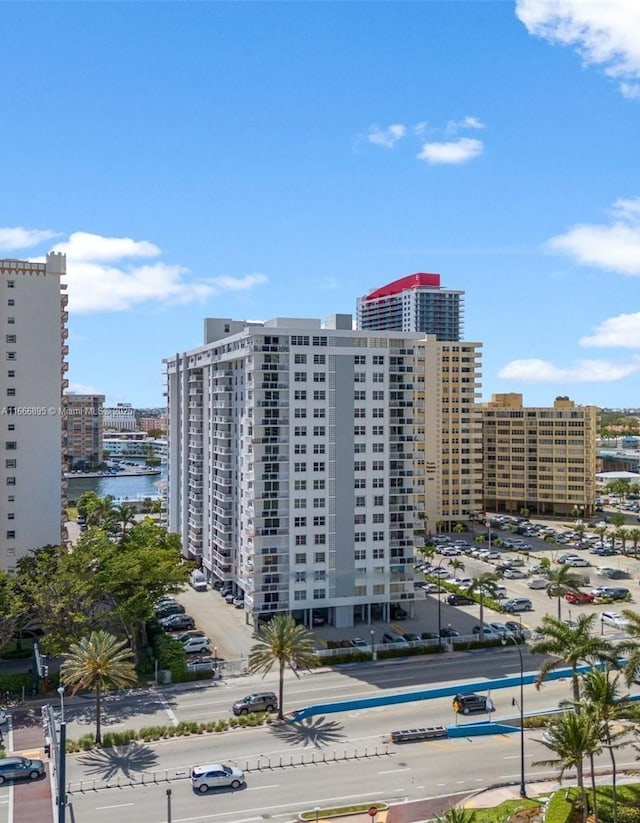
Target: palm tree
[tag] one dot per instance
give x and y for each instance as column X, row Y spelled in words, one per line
column 562, row 579
column 601, row 531
column 456, row 814
column 125, row 515
column 629, row 649
column 456, row 564
column 602, row 694
column 572, row 646
column 283, row 642
column 427, row 552
column 98, row 663
column 485, row 584
column 571, row 737
column 634, row 537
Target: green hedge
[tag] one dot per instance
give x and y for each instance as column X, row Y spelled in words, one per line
column 170, row 655
column 13, row 683
column 561, row 806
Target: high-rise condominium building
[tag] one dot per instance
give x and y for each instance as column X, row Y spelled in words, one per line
column 293, row 467
column 415, row 303
column 83, row 430
column 540, row 460
column 34, row 334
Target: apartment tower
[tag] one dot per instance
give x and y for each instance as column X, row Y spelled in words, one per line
column 415, row 303
column 83, row 430
column 34, row 337
column 539, row 460
column 293, row 463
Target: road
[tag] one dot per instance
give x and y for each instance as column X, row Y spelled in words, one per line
column 279, row 785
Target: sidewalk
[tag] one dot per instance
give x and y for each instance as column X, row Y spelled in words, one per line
column 32, row 800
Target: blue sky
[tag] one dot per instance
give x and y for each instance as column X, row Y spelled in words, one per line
column 253, row 160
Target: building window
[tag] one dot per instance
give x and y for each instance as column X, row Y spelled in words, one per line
column 359, row 377
column 378, row 360
column 300, row 377
column 11, row 320
column 300, row 394
column 378, row 394
column 319, row 341
column 300, row 431
column 360, row 466
column 319, row 539
column 378, row 448
column 10, row 445
column 319, row 394
column 378, row 517
column 299, row 359
column 318, row 448
column 319, row 557
column 360, row 537
column 377, row 536
column 319, row 467
column 378, row 465
column 11, row 302
column 360, row 483
column 360, row 501
column 300, row 485
column 11, row 535
column 378, row 554
column 10, row 463
column 300, row 448
column 299, row 340
column 300, row 503
column 319, row 413
column 319, row 359
column 11, row 515
column 360, row 554
column 320, row 520
column 299, row 467
column 377, row 431
column 378, row 413
column 319, row 594
column 300, row 413
column 301, row 539
column 319, row 431
column 11, row 392
column 299, row 594
column 11, row 373
column 319, row 574
column 11, row 284
column 301, row 577
column 319, row 502
column 300, row 522
column 359, row 394
column 10, row 338
column 359, row 360
column 301, row 557
column 359, row 519
column 11, row 355
column 319, row 377
column 358, row 431
column 378, row 482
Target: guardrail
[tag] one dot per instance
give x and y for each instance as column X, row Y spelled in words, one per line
column 260, row 763
column 426, row 733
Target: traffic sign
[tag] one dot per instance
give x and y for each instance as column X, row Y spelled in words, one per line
column 372, row 811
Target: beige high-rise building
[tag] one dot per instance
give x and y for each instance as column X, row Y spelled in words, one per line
column 83, row 430
column 448, row 473
column 33, row 319
column 539, row 460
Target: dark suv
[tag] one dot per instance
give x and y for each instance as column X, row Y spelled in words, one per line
column 467, row 703
column 460, row 600
column 258, row 702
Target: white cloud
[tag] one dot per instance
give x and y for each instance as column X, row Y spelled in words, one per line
column 387, row 137
column 21, row 238
column 604, row 32
column 108, row 274
column 614, row 247
column 468, row 122
column 585, row 371
column 455, row 151
column 622, row 332
column 82, row 388
column 239, row 283
column 83, row 246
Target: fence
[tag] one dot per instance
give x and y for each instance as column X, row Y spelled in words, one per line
column 259, row 763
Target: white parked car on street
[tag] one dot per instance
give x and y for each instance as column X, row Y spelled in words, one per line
column 617, row 621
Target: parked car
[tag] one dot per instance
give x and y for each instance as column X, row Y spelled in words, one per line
column 485, row 632
column 460, row 600
column 612, row 573
column 579, row 597
column 398, row 613
column 195, row 645
column 4, row 718
column 257, row 702
column 177, row 622
column 517, row 604
column 614, row 619
column 215, row 775
column 170, row 608
column 537, row 583
column 432, row 588
column 393, row 637
column 448, row 631
column 611, row 593
column 467, row 703
column 411, row 637
column 359, row 643
column 16, row 768
column 514, row 574
column 181, row 638
column 238, row 602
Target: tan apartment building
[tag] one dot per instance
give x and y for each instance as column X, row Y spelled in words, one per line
column 448, row 475
column 539, row 460
column 83, row 430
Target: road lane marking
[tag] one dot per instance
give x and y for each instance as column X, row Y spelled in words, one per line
column 394, row 771
column 117, row 806
column 259, row 788
column 169, row 711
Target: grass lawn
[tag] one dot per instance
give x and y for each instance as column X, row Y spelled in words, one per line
column 506, row 810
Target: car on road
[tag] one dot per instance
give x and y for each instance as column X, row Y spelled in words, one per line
column 195, row 645
column 614, row 619
column 359, row 643
column 468, row 703
column 517, row 604
column 576, row 597
column 216, row 775
column 176, row 622
column 257, row 702
column 16, row 768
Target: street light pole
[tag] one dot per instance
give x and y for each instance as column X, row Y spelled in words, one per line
column 523, row 787
column 373, row 646
column 62, row 761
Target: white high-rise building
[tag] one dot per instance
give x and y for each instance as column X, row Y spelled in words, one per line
column 34, row 336
column 293, row 463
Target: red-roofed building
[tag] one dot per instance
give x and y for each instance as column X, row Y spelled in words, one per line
column 414, row 303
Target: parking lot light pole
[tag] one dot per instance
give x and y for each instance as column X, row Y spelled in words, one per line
column 62, row 761
column 374, row 656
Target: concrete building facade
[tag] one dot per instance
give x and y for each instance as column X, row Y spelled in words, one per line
column 83, row 430
column 293, row 463
column 415, row 303
column 541, row 460
column 33, row 320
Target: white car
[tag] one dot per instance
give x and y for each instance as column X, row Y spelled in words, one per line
column 614, row 619
column 214, row 775
column 577, row 561
column 514, row 574
column 537, row 583
column 359, row 643
column 196, row 644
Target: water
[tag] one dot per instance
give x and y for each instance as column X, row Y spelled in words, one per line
column 121, row 488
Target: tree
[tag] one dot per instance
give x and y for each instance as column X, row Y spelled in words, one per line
column 12, row 613
column 459, row 528
column 427, row 552
column 621, row 535
column 629, row 649
column 571, row 646
column 634, row 537
column 484, row 584
column 98, row 663
column 572, row 736
column 456, row 814
column 603, row 696
column 125, row 516
column 284, row 643
column 618, row 519
column 562, row 579
column 601, row 531
column 456, row 564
